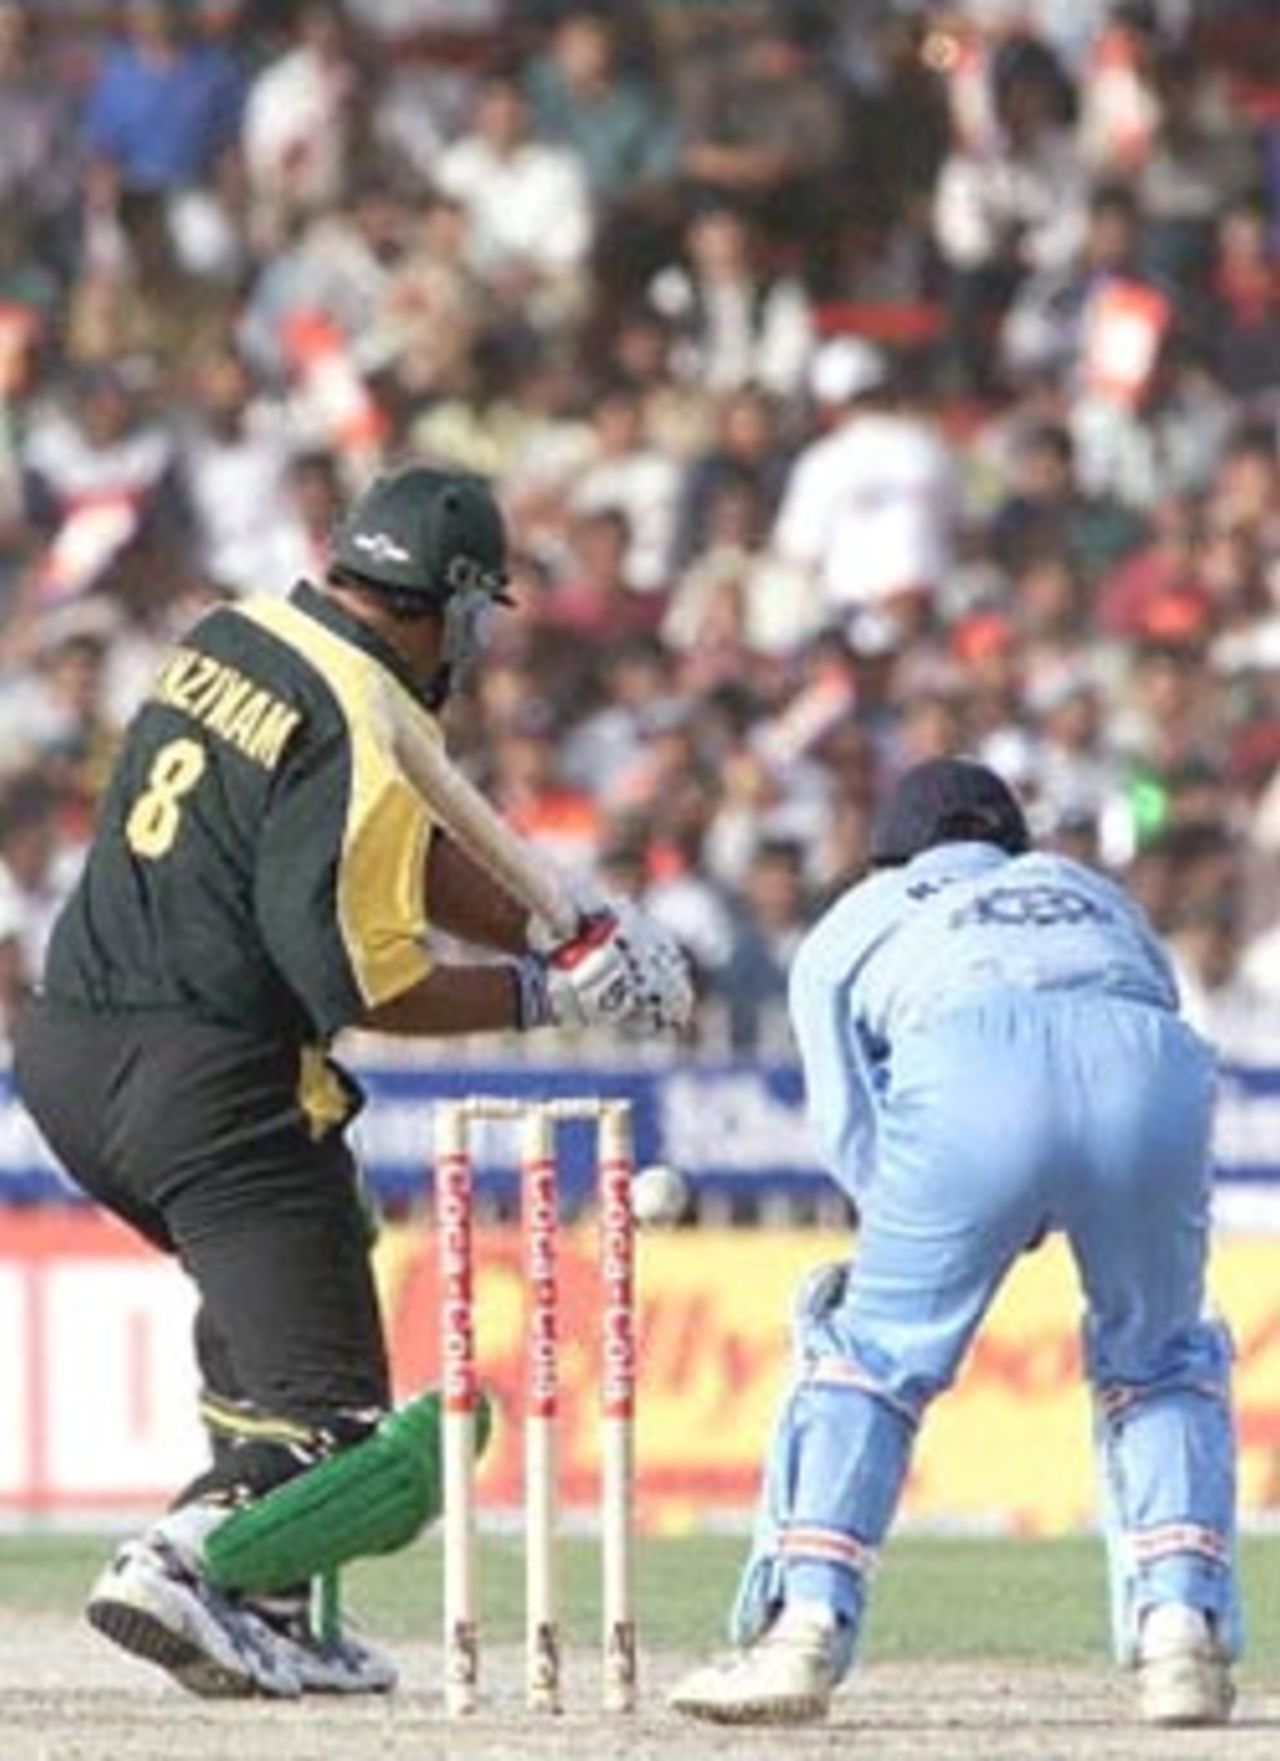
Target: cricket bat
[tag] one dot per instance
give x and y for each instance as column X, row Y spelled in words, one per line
column 469, row 819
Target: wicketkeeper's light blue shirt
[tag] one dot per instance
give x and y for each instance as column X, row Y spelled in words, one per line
column 909, row 945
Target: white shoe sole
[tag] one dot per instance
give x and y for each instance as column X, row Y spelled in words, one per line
column 143, row 1634
column 766, row 1710
column 1185, row 1691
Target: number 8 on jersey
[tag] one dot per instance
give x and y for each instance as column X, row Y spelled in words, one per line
column 156, row 815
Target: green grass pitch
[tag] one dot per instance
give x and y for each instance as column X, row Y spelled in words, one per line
column 1037, row 1601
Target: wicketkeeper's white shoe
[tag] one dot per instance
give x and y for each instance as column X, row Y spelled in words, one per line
column 150, row 1603
column 786, row 1677
column 1183, row 1677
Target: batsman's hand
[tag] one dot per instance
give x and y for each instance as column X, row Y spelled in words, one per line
column 619, row 969
column 662, row 974
column 586, row 980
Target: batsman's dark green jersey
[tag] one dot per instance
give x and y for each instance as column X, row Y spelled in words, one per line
column 259, row 859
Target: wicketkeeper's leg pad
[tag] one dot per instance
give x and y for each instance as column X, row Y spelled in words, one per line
column 1167, row 1452
column 374, row 1497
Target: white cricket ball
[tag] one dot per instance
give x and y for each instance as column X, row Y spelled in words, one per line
column 659, row 1195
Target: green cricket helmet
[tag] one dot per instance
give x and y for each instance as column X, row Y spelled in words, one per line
column 422, row 537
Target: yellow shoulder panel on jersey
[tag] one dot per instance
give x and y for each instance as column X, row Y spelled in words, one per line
column 382, row 863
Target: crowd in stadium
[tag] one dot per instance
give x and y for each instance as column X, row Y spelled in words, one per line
column 862, row 381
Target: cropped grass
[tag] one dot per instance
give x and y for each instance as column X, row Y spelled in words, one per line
column 935, row 1599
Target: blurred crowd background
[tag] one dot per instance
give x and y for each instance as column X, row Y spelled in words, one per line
column 862, row 381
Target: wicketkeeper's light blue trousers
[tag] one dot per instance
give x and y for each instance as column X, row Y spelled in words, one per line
column 1087, row 1114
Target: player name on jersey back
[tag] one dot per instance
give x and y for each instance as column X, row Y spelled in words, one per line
column 229, row 703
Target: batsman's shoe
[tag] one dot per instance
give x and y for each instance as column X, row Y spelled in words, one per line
column 1183, row 1677
column 787, row 1677
column 151, row 1604
column 337, row 1664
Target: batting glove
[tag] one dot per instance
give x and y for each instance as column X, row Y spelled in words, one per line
column 588, row 980
column 661, row 973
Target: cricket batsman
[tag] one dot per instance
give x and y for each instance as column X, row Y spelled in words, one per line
column 265, row 875
column 992, row 1050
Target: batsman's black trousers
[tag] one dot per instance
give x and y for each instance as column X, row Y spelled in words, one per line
column 195, row 1134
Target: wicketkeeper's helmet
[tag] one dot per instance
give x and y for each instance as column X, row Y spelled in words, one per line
column 420, row 536
column 947, row 801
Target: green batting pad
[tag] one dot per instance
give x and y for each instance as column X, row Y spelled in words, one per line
column 372, row 1498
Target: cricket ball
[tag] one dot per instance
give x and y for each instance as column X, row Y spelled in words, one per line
column 659, row 1195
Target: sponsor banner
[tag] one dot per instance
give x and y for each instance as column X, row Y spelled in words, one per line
column 737, row 1129
column 97, row 1385
column 97, row 1379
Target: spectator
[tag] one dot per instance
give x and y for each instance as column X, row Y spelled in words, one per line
column 461, row 24
column 991, row 664
column 235, row 460
column 434, row 312
column 762, row 124
column 773, row 912
column 718, row 609
column 751, row 800
column 315, row 489
column 635, row 676
column 529, row 789
column 161, row 125
column 1049, row 606
column 334, row 276
column 1010, row 207
column 735, row 323
column 1231, row 567
column 746, row 453
column 869, row 507
column 638, row 346
column 297, row 131
column 35, row 879
column 1048, row 514
column 628, row 475
column 549, row 440
column 30, row 302
column 53, row 713
column 594, row 598
column 528, row 206
column 98, row 465
column 1244, row 282
column 1045, row 327
column 1164, row 441
column 611, row 121
column 1245, row 494
column 1164, row 566
column 1167, row 721
column 1078, row 778
column 1199, row 162
column 39, row 165
column 1221, row 998
column 899, row 131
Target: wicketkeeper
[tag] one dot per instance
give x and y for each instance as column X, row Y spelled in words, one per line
column 992, row 1050
column 265, row 875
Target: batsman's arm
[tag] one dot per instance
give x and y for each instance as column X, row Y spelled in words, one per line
column 451, row 1000
column 464, row 901
column 589, row 980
